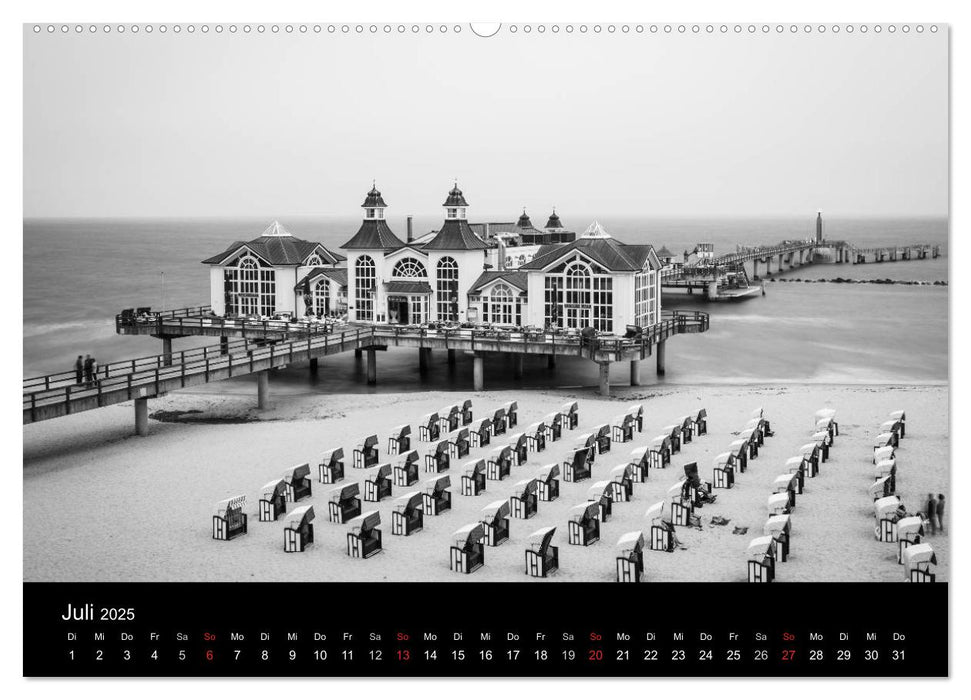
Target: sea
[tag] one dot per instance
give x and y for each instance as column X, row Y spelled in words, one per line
column 79, row 273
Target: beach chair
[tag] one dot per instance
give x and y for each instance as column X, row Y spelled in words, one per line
column 273, row 502
column 299, row 531
column 910, row 530
column 636, row 413
column 364, row 539
column 366, row 452
column 437, row 459
column 579, row 467
column 602, row 438
column 827, row 414
column 674, row 435
column 467, row 412
column 761, row 559
column 536, row 437
column 639, row 464
column 473, row 477
column 826, row 425
column 297, row 481
column 882, row 453
column 621, row 478
column 739, row 451
column 750, row 437
column 885, row 440
column 586, row 441
column 405, row 473
column 407, row 517
column 554, row 427
column 662, row 527
column 331, row 467
column 892, row 426
column 495, row 522
column 458, row 444
column 601, row 493
column 542, row 558
column 467, row 553
column 377, row 484
column 229, row 520
column 522, row 503
column 881, row 488
column 797, row 467
column 429, row 427
column 399, row 441
column 778, row 504
column 344, row 503
column 691, row 492
column 517, row 445
column 499, row 421
column 753, row 431
column 660, row 452
column 570, row 412
column 583, row 524
column 822, row 443
column 723, row 471
column 548, row 483
column 687, row 431
column 902, row 418
column 437, row 498
column 449, row 418
column 511, row 409
column 481, row 432
column 779, row 527
column 887, row 512
column 630, row 562
column 919, row 561
column 700, row 423
column 810, row 455
column 622, row 428
column 786, row 483
column 499, row 463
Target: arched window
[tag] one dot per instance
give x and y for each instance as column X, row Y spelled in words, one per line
column 322, row 297
column 447, row 290
column 250, row 288
column 364, row 285
column 409, row 267
column 315, row 261
column 504, row 305
column 579, row 295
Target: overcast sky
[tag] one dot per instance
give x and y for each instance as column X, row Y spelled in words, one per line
column 679, row 125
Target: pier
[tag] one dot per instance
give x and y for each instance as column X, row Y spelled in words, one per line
column 256, row 347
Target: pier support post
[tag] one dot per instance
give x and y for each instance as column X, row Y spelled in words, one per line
column 313, row 365
column 477, row 372
column 141, row 417
column 518, row 361
column 424, row 359
column 660, row 358
column 604, row 379
column 372, row 366
column 358, row 352
column 635, row 372
column 263, row 389
column 551, row 361
column 755, row 269
column 223, row 345
column 167, row 351
column 451, row 358
column 713, row 289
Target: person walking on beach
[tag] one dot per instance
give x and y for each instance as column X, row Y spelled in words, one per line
column 88, row 365
column 79, row 370
column 932, row 513
column 940, row 512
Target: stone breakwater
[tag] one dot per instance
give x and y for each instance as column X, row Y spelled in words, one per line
column 845, row 280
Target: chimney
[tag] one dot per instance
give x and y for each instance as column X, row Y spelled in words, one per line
column 501, row 254
column 411, row 234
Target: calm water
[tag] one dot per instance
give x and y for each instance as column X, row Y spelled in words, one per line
column 796, row 332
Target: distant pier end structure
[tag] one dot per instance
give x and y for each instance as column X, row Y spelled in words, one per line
column 470, row 288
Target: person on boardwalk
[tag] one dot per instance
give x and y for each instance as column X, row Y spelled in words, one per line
column 940, row 512
column 79, row 370
column 931, row 510
column 88, row 366
column 94, row 370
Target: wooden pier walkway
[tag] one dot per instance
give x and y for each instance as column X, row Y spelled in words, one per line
column 275, row 344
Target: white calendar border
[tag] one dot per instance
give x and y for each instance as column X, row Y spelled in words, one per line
column 605, row 11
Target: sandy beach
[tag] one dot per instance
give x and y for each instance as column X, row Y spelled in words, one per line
column 103, row 505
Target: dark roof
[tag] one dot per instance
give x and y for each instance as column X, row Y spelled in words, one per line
column 338, row 274
column 524, row 221
column 611, row 254
column 514, row 277
column 374, row 234
column 455, row 234
column 277, row 246
column 554, row 221
column 664, row 253
column 455, row 198
column 399, row 287
column 374, row 199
